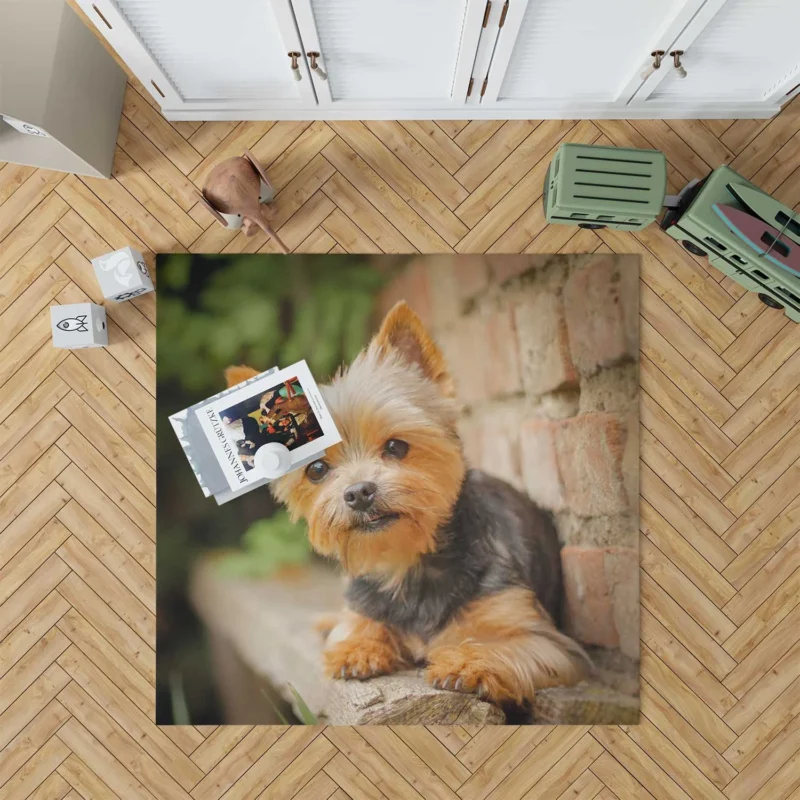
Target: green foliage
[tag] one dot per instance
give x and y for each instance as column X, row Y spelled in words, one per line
column 180, row 709
column 278, row 713
column 306, row 714
column 261, row 310
column 214, row 311
column 268, row 545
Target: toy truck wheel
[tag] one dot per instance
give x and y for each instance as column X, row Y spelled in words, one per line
column 592, row 226
column 693, row 248
column 769, row 301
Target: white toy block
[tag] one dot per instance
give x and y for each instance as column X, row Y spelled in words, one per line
column 79, row 325
column 122, row 274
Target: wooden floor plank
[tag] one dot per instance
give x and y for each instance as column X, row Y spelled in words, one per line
column 778, row 605
column 111, row 518
column 685, row 738
column 31, row 720
column 394, row 198
column 98, row 612
column 673, row 656
column 85, row 783
column 683, row 411
column 704, row 720
column 426, row 168
column 154, row 199
column 761, row 696
column 102, row 472
column 12, row 176
column 683, row 555
column 437, row 143
column 704, row 612
column 30, row 267
column 159, row 131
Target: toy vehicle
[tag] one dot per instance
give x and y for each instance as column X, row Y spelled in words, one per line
column 696, row 217
column 605, row 187
column 703, row 232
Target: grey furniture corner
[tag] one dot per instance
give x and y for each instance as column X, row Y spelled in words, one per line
column 57, row 76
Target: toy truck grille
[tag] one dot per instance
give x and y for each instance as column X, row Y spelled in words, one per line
column 595, row 186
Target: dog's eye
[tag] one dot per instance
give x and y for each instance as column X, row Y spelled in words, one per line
column 317, row 470
column 395, row 448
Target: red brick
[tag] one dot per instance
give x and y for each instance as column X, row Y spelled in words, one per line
column 590, row 450
column 462, row 347
column 445, row 300
column 504, row 268
column 472, row 276
column 501, row 369
column 482, row 355
column 621, row 566
column 589, row 612
column 543, row 343
column 601, row 587
column 413, row 286
column 601, row 300
column 540, row 474
column 630, row 461
column 500, row 445
column 471, row 437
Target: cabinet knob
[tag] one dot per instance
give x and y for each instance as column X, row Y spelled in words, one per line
column 296, row 74
column 315, row 68
column 651, row 68
column 676, row 58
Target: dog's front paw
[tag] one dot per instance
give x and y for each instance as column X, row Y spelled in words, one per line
column 360, row 659
column 468, row 668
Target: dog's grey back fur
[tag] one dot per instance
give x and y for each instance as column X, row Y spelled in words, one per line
column 496, row 539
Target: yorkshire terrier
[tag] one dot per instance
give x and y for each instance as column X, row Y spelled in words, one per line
column 447, row 566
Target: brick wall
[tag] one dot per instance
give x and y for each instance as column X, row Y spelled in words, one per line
column 548, row 346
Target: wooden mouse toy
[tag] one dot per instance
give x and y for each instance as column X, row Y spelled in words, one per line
column 234, row 188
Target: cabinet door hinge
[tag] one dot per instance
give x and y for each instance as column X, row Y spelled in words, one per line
column 486, row 13
column 503, row 15
column 469, row 88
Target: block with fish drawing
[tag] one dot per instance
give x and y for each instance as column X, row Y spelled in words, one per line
column 79, row 325
column 122, row 275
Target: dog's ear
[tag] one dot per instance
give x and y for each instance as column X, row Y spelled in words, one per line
column 402, row 332
column 234, row 375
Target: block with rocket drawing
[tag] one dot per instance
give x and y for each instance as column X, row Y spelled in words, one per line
column 79, row 325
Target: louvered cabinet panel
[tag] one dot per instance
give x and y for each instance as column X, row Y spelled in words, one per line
column 746, row 52
column 390, row 53
column 206, row 52
column 440, row 59
column 578, row 50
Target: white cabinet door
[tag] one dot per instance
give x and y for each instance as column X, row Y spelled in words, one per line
column 381, row 54
column 736, row 51
column 206, row 53
column 559, row 53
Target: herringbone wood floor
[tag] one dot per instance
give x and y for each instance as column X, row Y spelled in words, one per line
column 720, row 471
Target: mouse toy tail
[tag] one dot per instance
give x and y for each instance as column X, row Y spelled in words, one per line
column 270, row 231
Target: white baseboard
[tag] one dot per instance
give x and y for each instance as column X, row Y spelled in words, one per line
column 650, row 111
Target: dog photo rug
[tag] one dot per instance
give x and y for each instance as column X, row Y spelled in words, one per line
column 441, row 456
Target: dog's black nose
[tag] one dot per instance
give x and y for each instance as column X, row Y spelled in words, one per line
column 360, row 496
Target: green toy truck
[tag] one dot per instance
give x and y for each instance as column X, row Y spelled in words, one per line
column 597, row 187
column 696, row 225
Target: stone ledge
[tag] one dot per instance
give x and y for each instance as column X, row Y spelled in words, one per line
column 405, row 699
column 588, row 703
column 270, row 627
